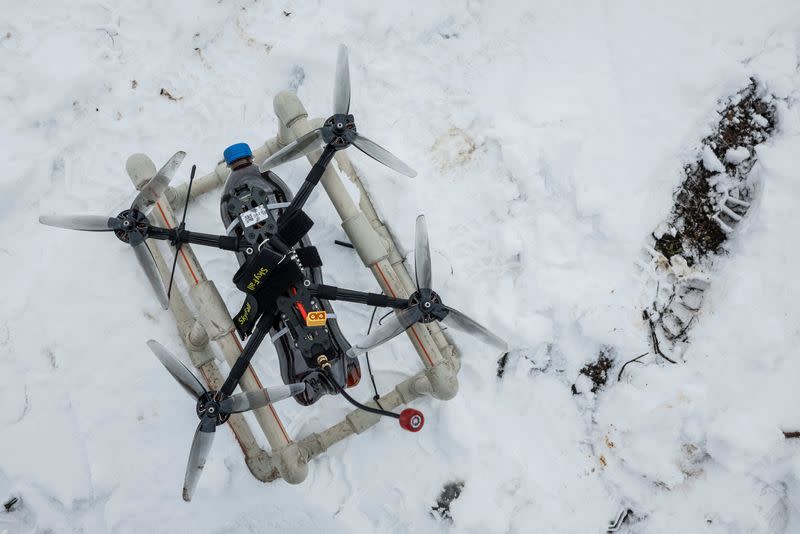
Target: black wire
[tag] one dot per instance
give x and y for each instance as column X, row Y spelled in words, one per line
column 377, row 395
column 369, row 365
column 354, row 402
column 387, row 314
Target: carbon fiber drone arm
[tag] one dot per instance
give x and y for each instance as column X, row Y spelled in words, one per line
column 180, row 235
column 242, row 363
column 359, row 297
column 312, row 180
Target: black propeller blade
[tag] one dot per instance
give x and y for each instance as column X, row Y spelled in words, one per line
column 213, row 410
column 129, row 224
column 425, row 306
column 339, row 130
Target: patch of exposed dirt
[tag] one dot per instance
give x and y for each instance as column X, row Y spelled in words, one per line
column 453, row 149
column 597, row 371
column 501, row 365
column 450, row 492
column 702, row 224
column 669, row 244
column 529, row 360
column 169, row 95
column 248, row 39
column 714, row 196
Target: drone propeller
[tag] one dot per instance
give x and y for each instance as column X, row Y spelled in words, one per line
column 425, row 306
column 213, row 410
column 341, row 87
column 130, row 225
column 86, row 223
column 339, row 130
column 157, row 185
column 299, row 147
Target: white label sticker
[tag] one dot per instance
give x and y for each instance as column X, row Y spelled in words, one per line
column 254, row 216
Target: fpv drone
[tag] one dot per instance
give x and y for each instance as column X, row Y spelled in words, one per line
column 279, row 275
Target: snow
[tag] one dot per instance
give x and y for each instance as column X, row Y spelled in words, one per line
column 737, row 155
column 548, row 139
column 711, row 162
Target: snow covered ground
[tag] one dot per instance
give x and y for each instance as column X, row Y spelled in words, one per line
column 548, row 137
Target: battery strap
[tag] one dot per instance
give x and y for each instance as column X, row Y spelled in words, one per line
column 264, row 278
column 246, row 319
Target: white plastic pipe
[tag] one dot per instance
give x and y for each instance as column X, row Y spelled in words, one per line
column 195, row 339
column 215, row 319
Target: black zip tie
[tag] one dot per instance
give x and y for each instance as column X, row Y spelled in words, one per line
column 343, row 244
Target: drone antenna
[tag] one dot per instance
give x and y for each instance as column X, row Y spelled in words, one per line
column 178, row 242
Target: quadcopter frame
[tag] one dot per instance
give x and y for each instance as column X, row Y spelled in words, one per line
column 211, row 320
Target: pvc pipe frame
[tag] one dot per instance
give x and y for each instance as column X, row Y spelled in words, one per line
column 211, row 320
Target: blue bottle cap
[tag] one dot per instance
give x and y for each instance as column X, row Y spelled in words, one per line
column 237, row 151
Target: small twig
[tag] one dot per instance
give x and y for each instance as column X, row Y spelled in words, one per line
column 9, row 504
column 669, row 302
column 656, row 347
column 636, row 359
column 616, row 525
column 169, row 95
column 685, row 328
column 380, row 321
column 791, row 434
column 654, row 339
column 683, row 303
column 681, row 334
